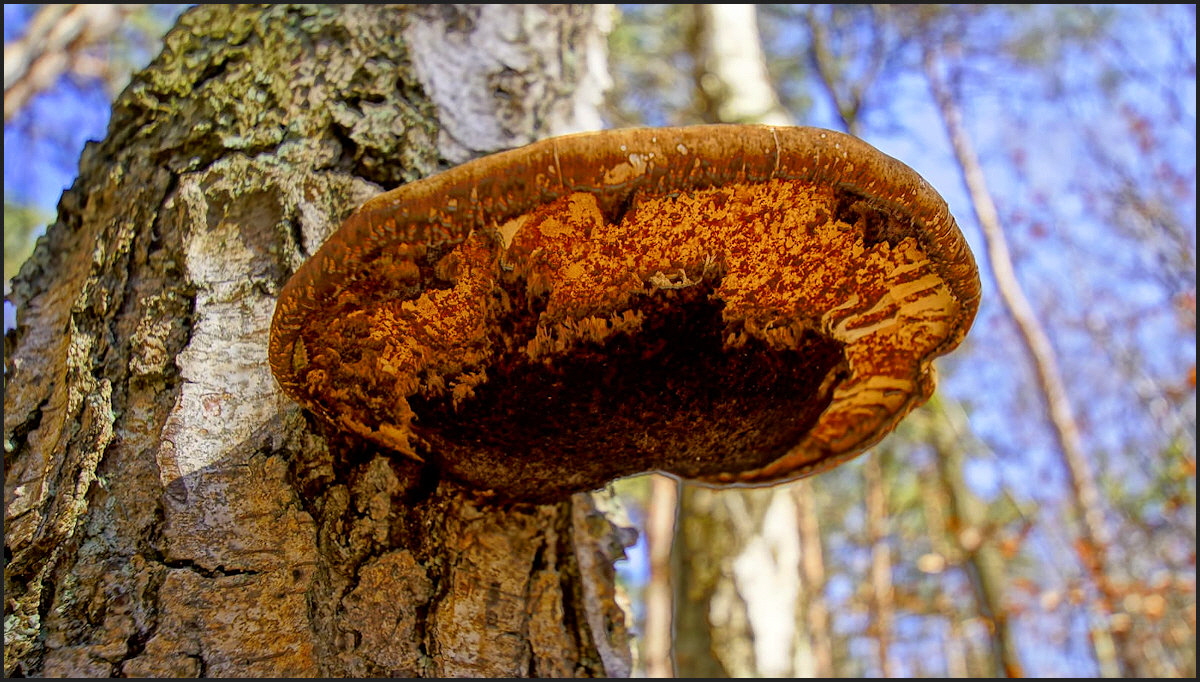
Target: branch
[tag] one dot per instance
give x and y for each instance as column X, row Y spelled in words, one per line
column 53, row 44
column 1096, row 539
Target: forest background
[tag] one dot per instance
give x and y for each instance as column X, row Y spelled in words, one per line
column 1038, row 516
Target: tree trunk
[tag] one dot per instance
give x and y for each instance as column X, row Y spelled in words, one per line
column 1114, row 655
column 658, row 596
column 968, row 519
column 813, row 611
column 168, row 511
column 738, row 552
column 882, row 607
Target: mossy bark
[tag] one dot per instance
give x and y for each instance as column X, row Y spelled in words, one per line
column 168, row 511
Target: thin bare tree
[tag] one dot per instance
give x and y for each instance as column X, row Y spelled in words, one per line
column 1093, row 549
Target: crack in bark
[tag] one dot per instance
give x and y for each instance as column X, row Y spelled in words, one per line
column 218, row 571
column 15, row 440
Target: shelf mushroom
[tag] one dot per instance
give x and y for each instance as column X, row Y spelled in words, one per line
column 735, row 304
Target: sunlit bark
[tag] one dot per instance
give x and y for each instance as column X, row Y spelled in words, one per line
column 732, row 83
column 813, row 607
column 661, row 509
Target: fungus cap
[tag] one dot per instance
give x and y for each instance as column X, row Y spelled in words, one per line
column 735, row 304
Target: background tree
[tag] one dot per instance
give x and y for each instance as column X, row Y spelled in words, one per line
column 985, row 559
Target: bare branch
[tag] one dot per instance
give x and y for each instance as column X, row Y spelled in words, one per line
column 1094, row 548
column 55, row 43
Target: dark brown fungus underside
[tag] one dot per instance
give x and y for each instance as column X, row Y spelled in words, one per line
column 736, row 304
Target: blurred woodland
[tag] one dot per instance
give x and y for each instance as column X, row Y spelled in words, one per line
column 1038, row 516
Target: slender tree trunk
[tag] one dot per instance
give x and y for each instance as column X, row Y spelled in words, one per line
column 813, row 607
column 168, row 512
column 965, row 518
column 738, row 551
column 1112, row 654
column 661, row 512
column 703, row 547
column 882, row 602
column 731, row 80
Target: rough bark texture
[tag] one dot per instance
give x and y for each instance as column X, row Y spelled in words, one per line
column 168, row 511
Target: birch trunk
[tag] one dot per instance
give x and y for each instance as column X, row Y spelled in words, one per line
column 737, row 552
column 168, row 512
column 658, row 595
column 967, row 520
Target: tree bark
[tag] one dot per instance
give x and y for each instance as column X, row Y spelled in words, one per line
column 813, row 610
column 731, row 80
column 168, row 511
column 662, row 508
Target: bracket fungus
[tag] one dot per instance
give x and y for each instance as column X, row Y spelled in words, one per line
column 736, row 304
